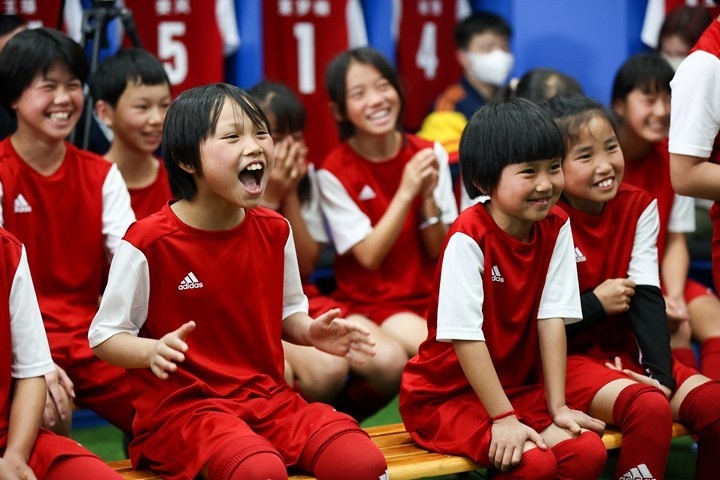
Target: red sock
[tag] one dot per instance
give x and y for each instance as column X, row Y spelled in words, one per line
column 349, row 455
column 710, row 358
column 81, row 468
column 536, row 464
column 700, row 412
column 644, row 417
column 580, row 458
column 686, row 356
column 237, row 461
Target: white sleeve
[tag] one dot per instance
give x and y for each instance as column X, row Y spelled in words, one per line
column 311, row 212
column 357, row 35
column 30, row 350
column 348, row 224
column 461, row 295
column 227, row 24
column 443, row 193
column 117, row 213
column 643, row 268
column 682, row 215
column 561, row 294
column 294, row 300
column 695, row 118
column 124, row 305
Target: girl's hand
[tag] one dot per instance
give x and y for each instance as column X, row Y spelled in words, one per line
column 575, row 420
column 615, row 294
column 290, row 167
column 59, row 388
column 677, row 311
column 18, row 468
column 507, row 442
column 342, row 337
column 638, row 377
column 170, row 350
column 420, row 175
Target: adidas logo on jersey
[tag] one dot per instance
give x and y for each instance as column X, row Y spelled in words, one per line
column 189, row 282
column 496, row 277
column 22, row 205
column 367, row 193
column 640, row 472
column 579, row 257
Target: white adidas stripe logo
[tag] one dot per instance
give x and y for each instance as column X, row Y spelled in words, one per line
column 22, row 205
column 189, row 282
column 579, row 256
column 640, row 472
column 367, row 193
column 496, row 276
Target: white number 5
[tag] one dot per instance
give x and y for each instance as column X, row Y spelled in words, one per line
column 172, row 51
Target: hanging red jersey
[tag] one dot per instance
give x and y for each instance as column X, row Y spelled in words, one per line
column 46, row 13
column 300, row 38
column 190, row 37
column 424, row 46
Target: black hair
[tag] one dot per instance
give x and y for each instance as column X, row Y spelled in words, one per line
column 540, row 84
column 508, row 132
column 192, row 119
column 335, row 82
column 116, row 72
column 479, row 23
column 648, row 72
column 9, row 23
column 34, row 52
column 280, row 102
column 572, row 113
column 686, row 22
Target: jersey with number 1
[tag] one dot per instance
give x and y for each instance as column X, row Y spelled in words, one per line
column 300, row 39
column 190, row 37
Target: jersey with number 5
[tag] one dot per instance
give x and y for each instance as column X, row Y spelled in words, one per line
column 190, row 37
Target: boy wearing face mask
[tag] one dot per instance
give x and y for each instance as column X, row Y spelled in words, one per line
column 483, row 52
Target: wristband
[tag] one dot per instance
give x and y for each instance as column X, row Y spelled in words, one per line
column 502, row 415
column 429, row 222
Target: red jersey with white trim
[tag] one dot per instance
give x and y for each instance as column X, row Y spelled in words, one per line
column 355, row 195
column 424, row 62
column 24, row 352
column 619, row 243
column 491, row 287
column 652, row 174
column 148, row 200
column 46, row 13
column 190, row 37
column 70, row 223
column 300, row 39
column 238, row 285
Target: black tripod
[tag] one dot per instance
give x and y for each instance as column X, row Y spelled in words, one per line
column 94, row 25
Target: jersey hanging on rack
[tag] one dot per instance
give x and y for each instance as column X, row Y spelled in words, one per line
column 300, row 38
column 190, row 37
column 657, row 10
column 45, row 13
column 426, row 48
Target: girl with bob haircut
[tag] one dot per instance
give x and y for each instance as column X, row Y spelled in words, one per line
column 505, row 287
column 198, row 299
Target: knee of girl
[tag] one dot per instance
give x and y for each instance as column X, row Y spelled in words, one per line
column 536, row 464
column 260, row 465
column 580, row 458
column 642, row 405
column 349, row 455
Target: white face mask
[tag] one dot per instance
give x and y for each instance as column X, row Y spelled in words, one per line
column 493, row 67
column 674, row 61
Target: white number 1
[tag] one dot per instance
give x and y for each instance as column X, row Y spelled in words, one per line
column 305, row 34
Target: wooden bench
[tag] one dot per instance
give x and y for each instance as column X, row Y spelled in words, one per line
column 405, row 459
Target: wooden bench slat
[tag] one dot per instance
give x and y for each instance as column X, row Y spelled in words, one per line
column 406, row 460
